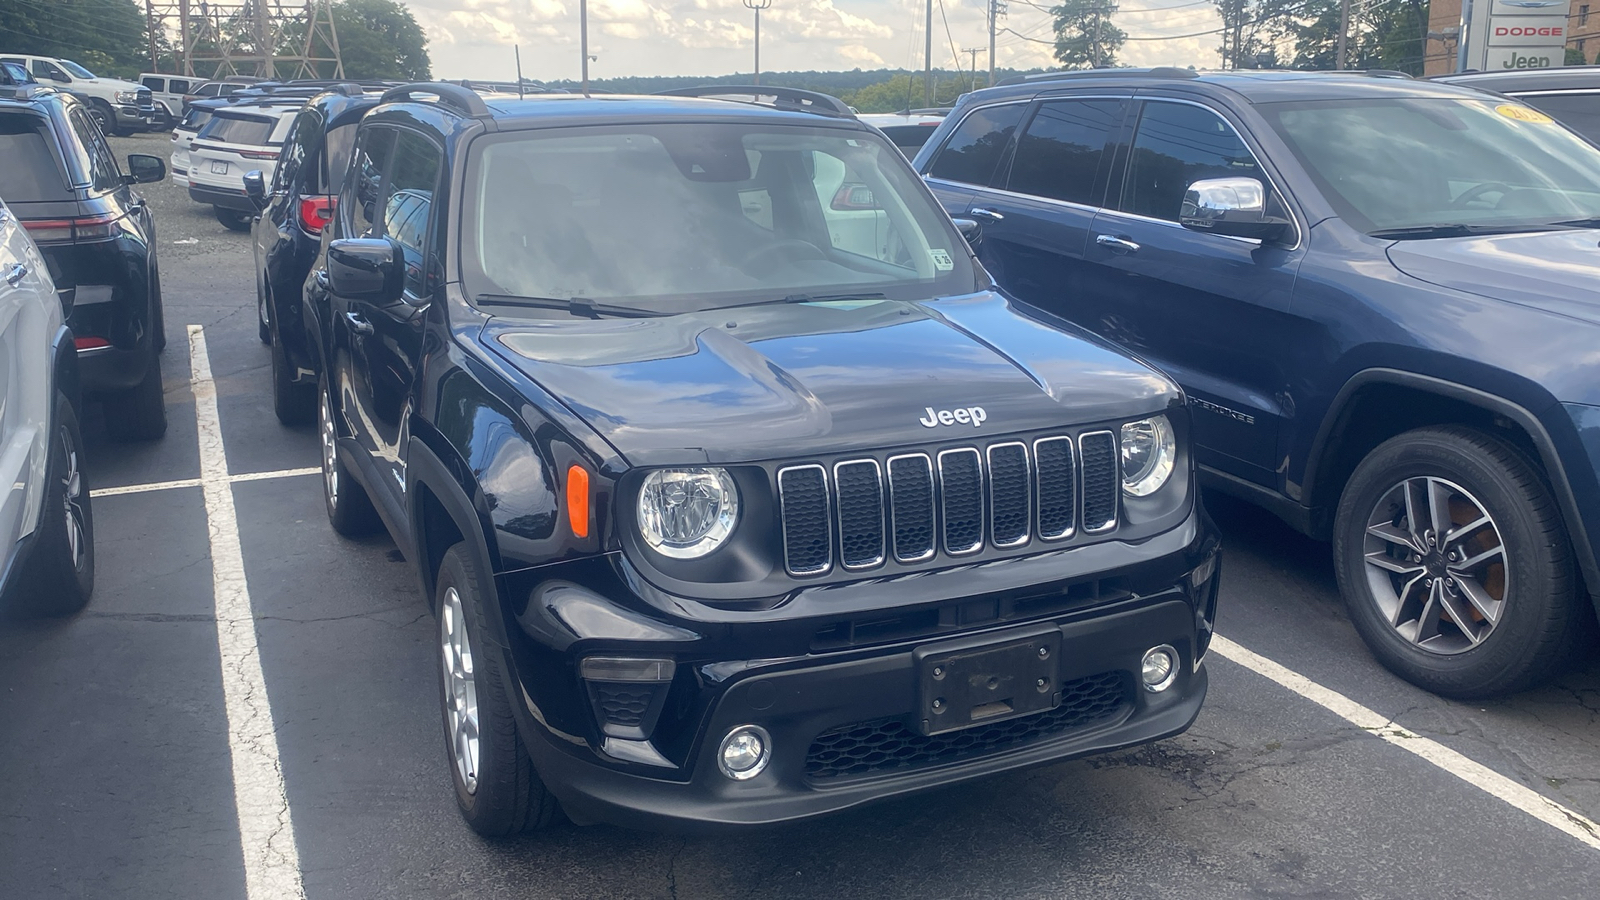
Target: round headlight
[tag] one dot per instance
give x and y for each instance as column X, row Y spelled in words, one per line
column 1149, row 452
column 687, row 513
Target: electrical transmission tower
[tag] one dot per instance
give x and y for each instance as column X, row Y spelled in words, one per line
column 264, row 38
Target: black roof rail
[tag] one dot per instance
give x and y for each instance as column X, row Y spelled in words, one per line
column 528, row 86
column 782, row 98
column 1154, row 72
column 452, row 95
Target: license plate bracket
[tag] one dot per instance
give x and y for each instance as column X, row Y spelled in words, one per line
column 219, row 167
column 965, row 683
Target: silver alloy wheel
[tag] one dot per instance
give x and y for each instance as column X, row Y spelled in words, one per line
column 330, row 450
column 1436, row 565
column 72, row 492
column 460, row 688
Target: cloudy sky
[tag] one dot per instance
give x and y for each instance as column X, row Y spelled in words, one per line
column 473, row 38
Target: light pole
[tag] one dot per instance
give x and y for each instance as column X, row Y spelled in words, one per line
column 583, row 41
column 758, row 6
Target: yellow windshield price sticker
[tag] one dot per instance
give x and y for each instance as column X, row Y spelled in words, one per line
column 1522, row 113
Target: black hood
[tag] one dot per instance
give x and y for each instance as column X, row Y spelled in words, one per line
column 1556, row 271
column 793, row 379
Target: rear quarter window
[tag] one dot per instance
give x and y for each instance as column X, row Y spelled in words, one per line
column 33, row 169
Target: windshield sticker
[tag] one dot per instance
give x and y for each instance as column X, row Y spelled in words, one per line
column 1522, row 114
column 942, row 260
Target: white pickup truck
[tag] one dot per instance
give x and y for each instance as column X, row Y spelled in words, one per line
column 121, row 107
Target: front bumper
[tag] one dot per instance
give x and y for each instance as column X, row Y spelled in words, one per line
column 845, row 724
column 129, row 116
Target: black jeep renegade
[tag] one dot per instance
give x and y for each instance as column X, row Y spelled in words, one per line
column 740, row 493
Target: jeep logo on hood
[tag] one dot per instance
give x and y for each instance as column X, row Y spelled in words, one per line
column 971, row 415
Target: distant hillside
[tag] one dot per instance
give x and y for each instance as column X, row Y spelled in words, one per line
column 875, row 90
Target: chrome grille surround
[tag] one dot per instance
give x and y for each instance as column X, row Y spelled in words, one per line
column 850, row 508
column 1003, row 501
column 947, row 473
column 785, row 493
column 1056, row 488
column 931, row 546
column 1091, row 446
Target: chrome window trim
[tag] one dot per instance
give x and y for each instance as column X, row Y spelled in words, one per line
column 933, row 508
column 1027, row 493
column 838, row 515
column 983, row 519
column 827, row 498
column 1116, row 476
column 1077, row 491
column 1581, row 92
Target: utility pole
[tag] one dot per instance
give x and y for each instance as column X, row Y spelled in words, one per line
column 1344, row 29
column 927, row 62
column 994, row 13
column 758, row 6
column 1094, row 59
column 583, row 41
column 973, row 52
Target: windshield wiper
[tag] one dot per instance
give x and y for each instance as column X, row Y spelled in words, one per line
column 1452, row 229
column 1592, row 222
column 811, row 298
column 578, row 306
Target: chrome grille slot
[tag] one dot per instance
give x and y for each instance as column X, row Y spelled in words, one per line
column 1101, row 480
column 911, row 506
column 859, row 484
column 1010, row 506
column 807, row 537
column 961, row 493
column 1056, row 480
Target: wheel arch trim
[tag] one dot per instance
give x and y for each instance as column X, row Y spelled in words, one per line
column 455, row 489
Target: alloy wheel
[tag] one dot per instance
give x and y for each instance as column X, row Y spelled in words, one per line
column 460, row 689
column 72, row 493
column 1436, row 565
column 330, row 451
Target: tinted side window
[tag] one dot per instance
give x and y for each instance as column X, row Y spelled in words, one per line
column 363, row 190
column 208, row 90
column 178, row 86
column 42, row 69
column 413, row 173
column 154, row 83
column 1580, row 112
column 1177, row 145
column 32, row 170
column 1059, row 155
column 974, row 150
column 103, row 172
column 300, row 146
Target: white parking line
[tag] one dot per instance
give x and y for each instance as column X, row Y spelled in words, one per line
column 196, row 482
column 1481, row 777
column 266, row 835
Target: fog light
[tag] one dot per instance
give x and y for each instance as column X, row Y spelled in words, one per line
column 1159, row 669
column 744, row 752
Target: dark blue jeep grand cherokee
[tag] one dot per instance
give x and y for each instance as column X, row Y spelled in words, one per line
column 1382, row 297
column 740, row 497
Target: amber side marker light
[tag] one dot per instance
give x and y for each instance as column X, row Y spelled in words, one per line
column 578, row 500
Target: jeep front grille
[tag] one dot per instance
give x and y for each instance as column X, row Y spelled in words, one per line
column 913, row 506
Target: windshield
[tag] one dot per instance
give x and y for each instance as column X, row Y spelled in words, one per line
column 691, row 216
column 1411, row 163
column 76, row 69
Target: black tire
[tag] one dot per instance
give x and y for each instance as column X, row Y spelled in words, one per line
column 58, row 576
column 100, row 111
column 139, row 413
column 233, row 219
column 1539, row 621
column 295, row 404
column 349, row 508
column 507, row 796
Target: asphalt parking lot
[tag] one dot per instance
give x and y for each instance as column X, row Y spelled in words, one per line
column 1312, row 772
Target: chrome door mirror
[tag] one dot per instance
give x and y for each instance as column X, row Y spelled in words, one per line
column 1237, row 207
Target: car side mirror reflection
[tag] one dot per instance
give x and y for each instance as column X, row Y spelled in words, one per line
column 970, row 229
column 145, row 169
column 367, row 269
column 255, row 187
column 1236, row 207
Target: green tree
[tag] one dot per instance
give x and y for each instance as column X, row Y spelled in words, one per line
column 1384, row 34
column 377, row 39
column 1086, row 38
column 1575, row 58
column 107, row 36
column 904, row 92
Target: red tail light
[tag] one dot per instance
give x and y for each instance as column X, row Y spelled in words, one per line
column 90, row 343
column 316, row 212
column 259, row 154
column 86, row 228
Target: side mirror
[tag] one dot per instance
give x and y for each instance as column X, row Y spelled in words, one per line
column 368, row 269
column 144, row 169
column 1236, row 207
column 969, row 228
column 255, row 187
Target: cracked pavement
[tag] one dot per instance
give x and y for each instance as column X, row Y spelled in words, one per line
column 115, row 776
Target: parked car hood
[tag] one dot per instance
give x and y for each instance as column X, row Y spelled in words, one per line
column 794, row 379
column 1549, row 270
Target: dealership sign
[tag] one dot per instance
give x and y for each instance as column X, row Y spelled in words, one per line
column 1516, row 34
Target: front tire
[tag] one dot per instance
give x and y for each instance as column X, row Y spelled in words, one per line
column 1456, row 566
column 59, row 576
column 349, row 508
column 232, row 219
column 497, row 789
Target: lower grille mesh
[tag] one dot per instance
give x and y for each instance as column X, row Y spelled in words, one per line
column 890, row 744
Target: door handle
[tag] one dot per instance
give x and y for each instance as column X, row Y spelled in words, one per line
column 358, row 323
column 1117, row 244
column 16, row 273
column 984, row 213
